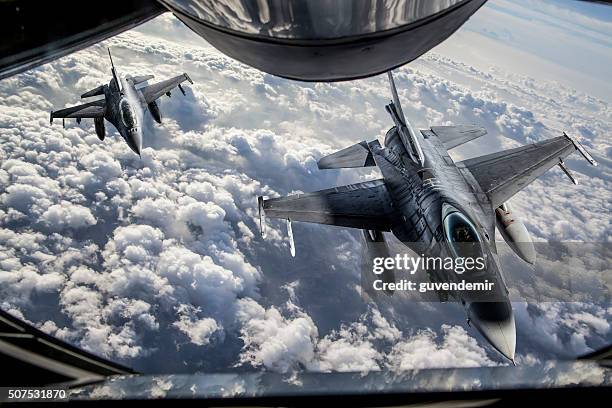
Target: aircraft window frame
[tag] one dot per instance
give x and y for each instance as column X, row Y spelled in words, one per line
column 124, row 103
column 449, row 214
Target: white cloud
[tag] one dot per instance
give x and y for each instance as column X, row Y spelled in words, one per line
column 67, row 215
column 199, row 331
column 455, row 349
column 285, row 343
column 273, row 341
column 141, row 257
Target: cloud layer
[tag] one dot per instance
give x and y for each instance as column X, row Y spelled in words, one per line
column 158, row 263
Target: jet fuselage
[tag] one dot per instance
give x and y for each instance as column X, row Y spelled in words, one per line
column 441, row 210
column 424, row 197
column 122, row 112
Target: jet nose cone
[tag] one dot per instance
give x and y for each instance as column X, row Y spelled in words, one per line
column 495, row 321
column 134, row 140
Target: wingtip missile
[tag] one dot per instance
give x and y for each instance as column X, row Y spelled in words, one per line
column 188, row 78
column 262, row 216
column 51, row 118
column 290, row 235
column 567, row 172
column 581, row 149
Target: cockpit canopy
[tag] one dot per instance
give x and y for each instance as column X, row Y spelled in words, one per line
column 462, row 235
column 128, row 116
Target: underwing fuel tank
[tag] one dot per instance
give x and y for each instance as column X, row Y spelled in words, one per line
column 94, row 92
column 100, row 129
column 154, row 109
column 318, row 40
column 514, row 233
column 376, row 247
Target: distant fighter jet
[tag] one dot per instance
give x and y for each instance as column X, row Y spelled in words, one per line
column 435, row 206
column 120, row 103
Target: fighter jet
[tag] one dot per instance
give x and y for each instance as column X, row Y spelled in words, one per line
column 121, row 104
column 436, row 207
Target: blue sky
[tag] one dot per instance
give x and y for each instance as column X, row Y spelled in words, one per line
column 564, row 41
column 594, row 10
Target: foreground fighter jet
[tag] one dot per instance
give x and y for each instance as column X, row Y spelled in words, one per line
column 436, row 207
column 121, row 104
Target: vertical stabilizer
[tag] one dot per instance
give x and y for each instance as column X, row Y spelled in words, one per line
column 409, row 137
column 396, row 102
column 114, row 71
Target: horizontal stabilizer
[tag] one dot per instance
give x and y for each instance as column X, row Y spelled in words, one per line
column 358, row 155
column 94, row 92
column 453, row 136
column 139, row 79
column 363, row 205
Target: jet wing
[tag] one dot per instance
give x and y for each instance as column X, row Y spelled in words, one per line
column 501, row 175
column 363, row 205
column 154, row 91
column 95, row 109
column 453, row 136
